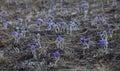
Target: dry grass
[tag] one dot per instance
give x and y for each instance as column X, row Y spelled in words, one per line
column 3, row 59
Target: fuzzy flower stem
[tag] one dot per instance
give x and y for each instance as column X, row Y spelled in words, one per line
column 17, row 50
column 56, row 61
column 33, row 50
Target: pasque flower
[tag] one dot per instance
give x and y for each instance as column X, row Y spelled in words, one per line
column 27, row 19
column 84, row 4
column 98, row 22
column 16, row 34
column 87, row 40
column 33, row 47
column 85, row 43
column 62, row 26
column 38, row 22
column 49, row 19
column 50, row 26
column 60, row 39
column 38, row 36
column 73, row 26
column 5, row 23
column 84, row 40
column 102, row 42
column 72, row 23
column 106, row 16
column 62, row 23
column 59, row 42
column 56, row 54
column 111, row 32
column 38, row 43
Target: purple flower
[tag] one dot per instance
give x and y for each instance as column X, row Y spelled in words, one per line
column 82, row 39
column 32, row 47
column 38, row 22
column 19, row 35
column 38, row 43
column 56, row 24
column 14, row 33
column 60, row 39
column 98, row 15
column 56, row 54
column 38, row 35
column 111, row 26
column 84, row 46
column 17, row 19
column 62, row 23
column 98, row 21
column 87, row 40
column 104, row 32
column 106, row 16
column 98, row 33
column 65, row 10
column 52, row 14
column 86, row 12
column 102, row 42
column 72, row 23
column 2, row 17
column 5, row 22
column 110, row 29
column 28, row 45
column 27, row 19
column 49, row 19
column 44, row 19
column 51, row 25
column 84, row 4
column 3, row 14
column 24, row 28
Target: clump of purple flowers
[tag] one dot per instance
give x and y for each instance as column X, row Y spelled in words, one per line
column 104, row 40
column 85, row 43
column 39, row 22
column 84, row 5
column 33, row 50
column 57, row 57
column 85, row 14
column 54, row 26
column 51, row 26
column 62, row 26
column 59, row 42
column 110, row 31
column 73, row 26
column 38, row 43
column 56, row 54
column 16, row 36
column 6, row 23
